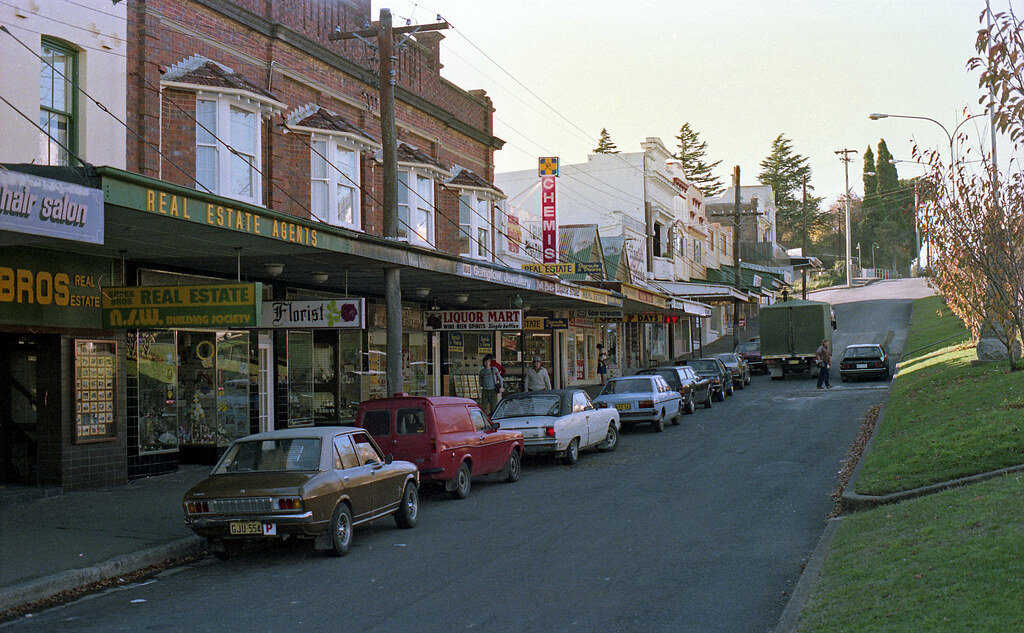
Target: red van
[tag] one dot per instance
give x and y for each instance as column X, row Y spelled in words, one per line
column 449, row 439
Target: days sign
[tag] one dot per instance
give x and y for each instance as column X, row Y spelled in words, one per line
column 169, row 307
column 334, row 313
column 549, row 221
column 460, row 320
column 644, row 318
column 547, row 166
column 41, row 206
column 47, row 289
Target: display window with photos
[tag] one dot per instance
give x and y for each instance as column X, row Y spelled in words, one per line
column 95, row 391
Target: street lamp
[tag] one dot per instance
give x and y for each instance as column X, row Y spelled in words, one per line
column 874, row 245
column 859, row 265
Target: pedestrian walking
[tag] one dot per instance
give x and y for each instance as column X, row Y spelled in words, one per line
column 491, row 385
column 537, row 378
column 823, row 359
column 602, row 363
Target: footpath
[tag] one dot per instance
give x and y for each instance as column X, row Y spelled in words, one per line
column 54, row 544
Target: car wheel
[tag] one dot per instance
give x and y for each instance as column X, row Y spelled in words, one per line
column 572, row 452
column 611, row 441
column 742, row 383
column 659, row 424
column 341, row 530
column 720, row 395
column 707, row 403
column 746, row 381
column 222, row 550
column 410, row 507
column 462, row 482
column 731, row 389
column 514, row 466
column 691, row 406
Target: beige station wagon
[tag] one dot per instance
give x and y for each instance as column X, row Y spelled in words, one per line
column 316, row 483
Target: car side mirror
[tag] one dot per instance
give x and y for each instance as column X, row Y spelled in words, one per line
column 495, row 425
column 389, row 458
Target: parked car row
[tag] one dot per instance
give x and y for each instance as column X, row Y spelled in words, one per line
column 319, row 483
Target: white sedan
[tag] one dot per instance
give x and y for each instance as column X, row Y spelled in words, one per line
column 642, row 399
column 559, row 421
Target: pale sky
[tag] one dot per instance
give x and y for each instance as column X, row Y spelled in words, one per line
column 739, row 71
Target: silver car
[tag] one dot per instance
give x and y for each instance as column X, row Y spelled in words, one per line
column 642, row 399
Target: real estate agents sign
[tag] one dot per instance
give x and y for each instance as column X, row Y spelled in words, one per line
column 335, row 313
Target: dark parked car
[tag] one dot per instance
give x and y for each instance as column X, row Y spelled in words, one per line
column 693, row 388
column 715, row 371
column 315, row 483
column 450, row 440
column 751, row 352
column 860, row 361
column 738, row 368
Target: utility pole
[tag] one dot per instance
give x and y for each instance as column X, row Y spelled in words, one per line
column 736, row 255
column 846, row 168
column 384, row 32
column 803, row 247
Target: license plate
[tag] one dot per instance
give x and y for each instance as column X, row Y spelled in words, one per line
column 624, row 407
column 245, row 528
column 794, row 362
column 862, row 365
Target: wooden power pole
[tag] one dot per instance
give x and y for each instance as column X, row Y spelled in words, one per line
column 385, row 32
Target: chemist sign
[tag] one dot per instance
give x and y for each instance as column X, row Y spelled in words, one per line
column 41, row 206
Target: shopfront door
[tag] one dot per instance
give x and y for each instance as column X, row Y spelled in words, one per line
column 18, row 429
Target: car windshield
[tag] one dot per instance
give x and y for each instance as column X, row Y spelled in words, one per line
column 528, row 406
column 727, row 358
column 627, row 385
column 746, row 348
column 868, row 351
column 271, row 455
column 708, row 366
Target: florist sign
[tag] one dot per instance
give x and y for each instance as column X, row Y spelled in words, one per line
column 336, row 313
column 454, row 320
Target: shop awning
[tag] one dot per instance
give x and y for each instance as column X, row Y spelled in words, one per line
column 636, row 300
column 703, row 291
column 691, row 308
column 168, row 227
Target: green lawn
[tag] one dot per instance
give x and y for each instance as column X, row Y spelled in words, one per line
column 949, row 562
column 945, row 419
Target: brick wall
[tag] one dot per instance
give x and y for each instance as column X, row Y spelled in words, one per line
column 165, row 32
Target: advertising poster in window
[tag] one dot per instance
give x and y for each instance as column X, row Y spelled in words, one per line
column 95, row 391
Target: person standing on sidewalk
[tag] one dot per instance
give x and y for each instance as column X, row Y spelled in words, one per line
column 537, row 378
column 602, row 363
column 823, row 358
column 491, row 385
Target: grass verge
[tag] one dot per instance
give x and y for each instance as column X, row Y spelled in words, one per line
column 945, row 418
column 949, row 562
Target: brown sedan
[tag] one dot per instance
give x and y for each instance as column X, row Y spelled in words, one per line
column 315, row 483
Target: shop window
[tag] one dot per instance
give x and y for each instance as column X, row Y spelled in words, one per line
column 657, row 239
column 213, row 384
column 334, row 176
column 58, row 103
column 416, row 207
column 300, row 378
column 154, row 354
column 234, row 175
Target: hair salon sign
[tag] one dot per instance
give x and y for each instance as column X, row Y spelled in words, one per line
column 41, row 206
column 335, row 313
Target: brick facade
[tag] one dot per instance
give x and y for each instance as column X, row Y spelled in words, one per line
column 283, row 48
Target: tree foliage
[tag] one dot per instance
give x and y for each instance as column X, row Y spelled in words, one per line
column 975, row 219
column 784, row 171
column 870, row 179
column 888, row 217
column 691, row 155
column 605, row 144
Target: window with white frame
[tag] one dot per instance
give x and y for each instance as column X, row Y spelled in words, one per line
column 58, row 100
column 475, row 224
column 416, row 207
column 334, row 182
column 696, row 251
column 235, row 175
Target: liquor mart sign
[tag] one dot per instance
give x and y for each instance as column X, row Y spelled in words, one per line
column 335, row 313
column 221, row 306
column 457, row 320
column 41, row 206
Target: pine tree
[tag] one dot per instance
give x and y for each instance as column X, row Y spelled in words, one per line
column 691, row 156
column 605, row 145
column 888, row 180
column 784, row 170
column 870, row 179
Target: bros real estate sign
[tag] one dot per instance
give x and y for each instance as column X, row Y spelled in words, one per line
column 41, row 206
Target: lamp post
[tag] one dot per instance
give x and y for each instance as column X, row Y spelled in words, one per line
column 874, row 245
column 859, row 265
